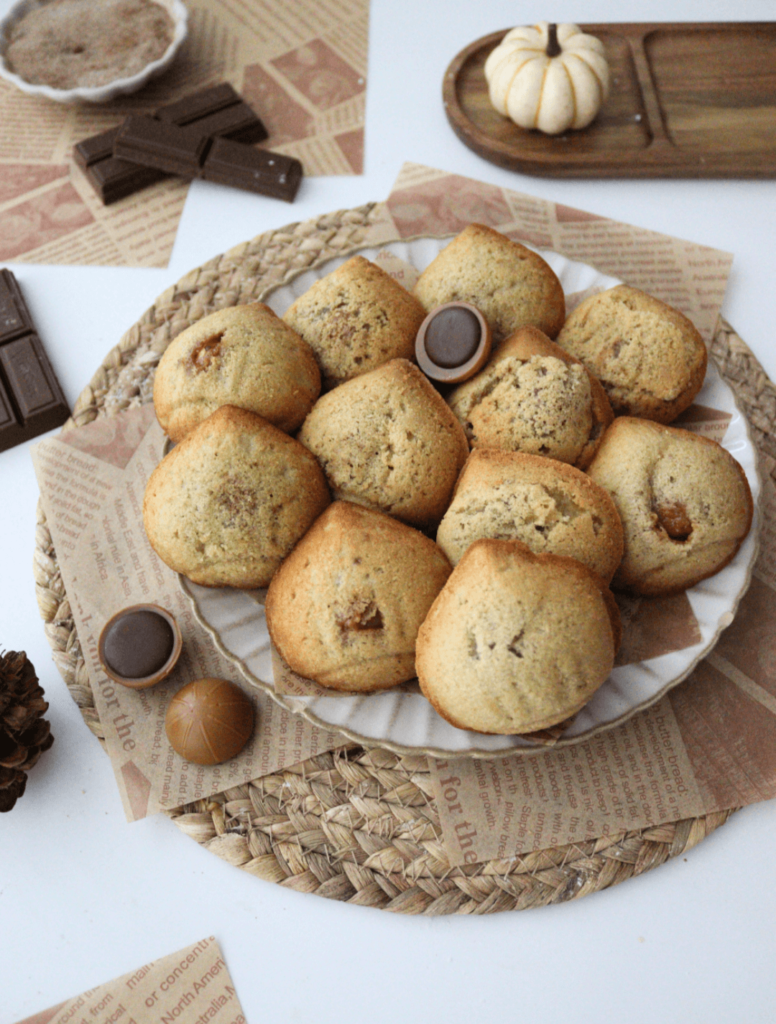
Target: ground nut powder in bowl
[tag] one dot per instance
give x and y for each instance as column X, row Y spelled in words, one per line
column 89, row 49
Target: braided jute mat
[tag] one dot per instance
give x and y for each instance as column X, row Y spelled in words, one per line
column 357, row 824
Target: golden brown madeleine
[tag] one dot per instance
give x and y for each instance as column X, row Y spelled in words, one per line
column 387, row 440
column 533, row 397
column 244, row 356
column 511, row 284
column 553, row 508
column 355, row 319
column 345, row 606
column 516, row 642
column 649, row 357
column 684, row 502
column 229, row 502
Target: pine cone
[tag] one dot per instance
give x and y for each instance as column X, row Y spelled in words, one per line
column 24, row 733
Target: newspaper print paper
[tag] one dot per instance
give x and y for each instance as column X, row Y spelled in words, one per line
column 303, row 70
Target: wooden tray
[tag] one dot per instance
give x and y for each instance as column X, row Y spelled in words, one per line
column 695, row 100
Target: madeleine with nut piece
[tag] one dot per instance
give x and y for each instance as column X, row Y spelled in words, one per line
column 684, row 502
column 244, row 356
column 345, row 607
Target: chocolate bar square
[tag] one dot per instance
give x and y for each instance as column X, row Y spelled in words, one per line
column 31, row 400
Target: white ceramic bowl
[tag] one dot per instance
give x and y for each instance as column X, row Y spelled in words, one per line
column 97, row 93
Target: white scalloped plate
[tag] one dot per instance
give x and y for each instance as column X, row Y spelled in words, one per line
column 404, row 721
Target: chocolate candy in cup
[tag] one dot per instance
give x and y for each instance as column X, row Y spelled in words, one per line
column 453, row 342
column 452, row 336
column 140, row 646
column 209, row 721
column 216, row 111
column 31, row 400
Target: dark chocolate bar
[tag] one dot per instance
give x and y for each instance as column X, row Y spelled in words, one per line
column 15, row 318
column 237, row 122
column 165, row 147
column 185, row 152
column 256, row 170
column 218, row 110
column 112, row 179
column 115, row 179
column 199, row 104
column 31, row 400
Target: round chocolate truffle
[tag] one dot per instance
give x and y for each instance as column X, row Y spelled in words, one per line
column 140, row 645
column 453, row 342
column 209, row 721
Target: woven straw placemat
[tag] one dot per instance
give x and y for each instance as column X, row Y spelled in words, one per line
column 357, row 824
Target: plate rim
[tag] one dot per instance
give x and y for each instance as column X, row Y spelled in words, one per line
column 294, row 703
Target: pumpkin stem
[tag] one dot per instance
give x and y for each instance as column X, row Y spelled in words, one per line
column 553, row 46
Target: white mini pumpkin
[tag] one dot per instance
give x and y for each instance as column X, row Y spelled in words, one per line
column 550, row 77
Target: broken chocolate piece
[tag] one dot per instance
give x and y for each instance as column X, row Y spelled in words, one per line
column 31, row 400
column 15, row 318
column 185, row 152
column 165, row 147
column 256, row 170
column 198, row 104
column 111, row 178
column 115, row 179
column 237, row 122
column 218, row 110
column 97, row 147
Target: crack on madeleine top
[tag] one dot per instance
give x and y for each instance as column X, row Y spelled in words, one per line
column 515, row 644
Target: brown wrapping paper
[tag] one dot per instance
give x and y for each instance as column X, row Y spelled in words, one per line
column 191, row 986
column 92, row 482
column 305, row 76
column 691, row 277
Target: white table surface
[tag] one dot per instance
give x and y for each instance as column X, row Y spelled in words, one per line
column 85, row 896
